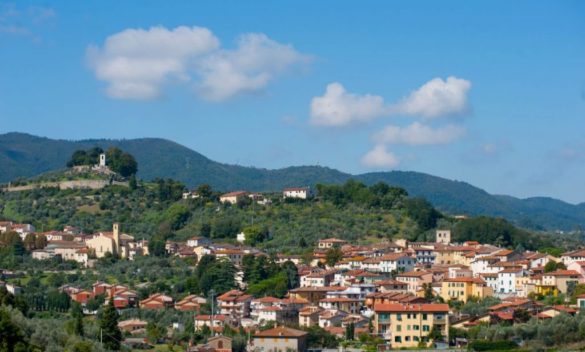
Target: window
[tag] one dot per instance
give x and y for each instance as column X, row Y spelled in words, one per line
column 398, row 339
column 398, row 328
column 416, row 327
column 407, row 338
column 426, row 328
column 399, row 317
column 408, row 327
column 415, row 338
column 414, row 316
column 424, row 316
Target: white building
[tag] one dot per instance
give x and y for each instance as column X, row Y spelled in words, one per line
column 507, row 280
column 396, row 262
column 296, row 192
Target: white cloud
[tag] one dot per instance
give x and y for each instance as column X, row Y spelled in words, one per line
column 436, row 98
column 337, row 107
column 250, row 67
column 418, row 134
column 380, row 157
column 138, row 63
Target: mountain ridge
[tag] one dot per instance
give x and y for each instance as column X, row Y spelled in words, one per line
column 26, row 155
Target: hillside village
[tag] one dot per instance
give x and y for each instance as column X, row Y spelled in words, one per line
column 399, row 292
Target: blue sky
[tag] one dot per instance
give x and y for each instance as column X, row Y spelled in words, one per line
column 491, row 93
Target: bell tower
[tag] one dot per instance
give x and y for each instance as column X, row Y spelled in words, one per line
column 116, row 236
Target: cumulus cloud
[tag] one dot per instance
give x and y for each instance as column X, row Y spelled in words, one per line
column 379, row 157
column 250, row 67
column 337, row 107
column 418, row 134
column 138, row 63
column 436, row 98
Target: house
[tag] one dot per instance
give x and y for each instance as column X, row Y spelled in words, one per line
column 220, row 343
column 313, row 294
column 157, row 301
column 296, row 192
column 318, row 279
column 198, row 241
column 573, row 256
column 191, row 303
column 391, row 286
column 560, row 279
column 415, row 279
column 407, row 325
column 395, row 262
column 331, row 317
column 280, row 338
column 235, row 256
column 216, row 321
column 235, row 304
column 133, row 326
column 233, row 197
column 507, row 279
column 464, row 288
column 331, row 243
column 309, row 316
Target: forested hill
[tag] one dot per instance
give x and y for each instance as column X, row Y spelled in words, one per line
column 23, row 155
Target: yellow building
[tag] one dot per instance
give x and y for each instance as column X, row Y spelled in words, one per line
column 407, row 325
column 464, row 288
column 453, row 254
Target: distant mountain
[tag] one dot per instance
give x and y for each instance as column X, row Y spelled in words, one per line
column 24, row 155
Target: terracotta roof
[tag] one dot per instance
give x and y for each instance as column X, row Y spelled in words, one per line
column 234, row 194
column 280, row 331
column 413, row 274
column 563, row 273
column 267, row 299
column 332, row 240
column 219, row 317
column 397, row 307
column 475, row 280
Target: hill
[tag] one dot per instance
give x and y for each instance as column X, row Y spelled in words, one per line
column 24, row 155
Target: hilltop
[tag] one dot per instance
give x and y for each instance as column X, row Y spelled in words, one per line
column 24, row 155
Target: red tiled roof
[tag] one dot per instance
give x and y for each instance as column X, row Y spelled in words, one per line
column 397, row 307
column 280, row 331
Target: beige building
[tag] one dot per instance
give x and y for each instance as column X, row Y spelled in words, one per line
column 110, row 242
column 280, row 339
column 232, row 197
column 407, row 325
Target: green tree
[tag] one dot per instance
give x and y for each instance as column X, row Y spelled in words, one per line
column 554, row 266
column 350, row 331
column 77, row 315
column 121, row 162
column 111, row 334
column 333, row 256
column 11, row 336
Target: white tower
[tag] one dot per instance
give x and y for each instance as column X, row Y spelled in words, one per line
column 102, row 160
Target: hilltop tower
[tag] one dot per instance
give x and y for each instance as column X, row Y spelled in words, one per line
column 102, row 160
